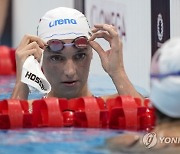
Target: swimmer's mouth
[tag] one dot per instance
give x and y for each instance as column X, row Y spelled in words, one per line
column 70, row 83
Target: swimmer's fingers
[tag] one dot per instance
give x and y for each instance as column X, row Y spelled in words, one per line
column 27, row 39
column 110, row 33
column 105, row 27
column 31, row 49
column 111, row 59
column 102, row 34
column 97, row 48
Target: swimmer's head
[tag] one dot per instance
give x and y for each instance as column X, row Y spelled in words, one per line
column 63, row 23
column 165, row 78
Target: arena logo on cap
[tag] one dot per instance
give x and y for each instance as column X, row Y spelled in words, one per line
column 62, row 21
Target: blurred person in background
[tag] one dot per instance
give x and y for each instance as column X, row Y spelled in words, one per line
column 165, row 97
column 3, row 15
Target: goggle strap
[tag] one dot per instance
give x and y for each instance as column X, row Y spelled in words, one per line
column 165, row 75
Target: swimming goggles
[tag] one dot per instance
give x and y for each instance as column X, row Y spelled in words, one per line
column 161, row 76
column 56, row 45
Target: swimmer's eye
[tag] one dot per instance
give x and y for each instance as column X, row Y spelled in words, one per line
column 80, row 56
column 57, row 58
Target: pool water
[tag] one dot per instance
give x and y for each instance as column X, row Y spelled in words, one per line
column 56, row 140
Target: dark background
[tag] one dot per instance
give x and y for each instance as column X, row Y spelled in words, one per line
column 159, row 7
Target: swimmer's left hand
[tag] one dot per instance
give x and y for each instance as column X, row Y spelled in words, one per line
column 112, row 59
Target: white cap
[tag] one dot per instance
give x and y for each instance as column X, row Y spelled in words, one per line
column 63, row 23
column 165, row 92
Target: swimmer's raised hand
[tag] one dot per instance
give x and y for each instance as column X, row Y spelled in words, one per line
column 30, row 45
column 112, row 59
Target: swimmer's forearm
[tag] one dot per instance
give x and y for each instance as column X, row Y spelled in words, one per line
column 20, row 91
column 124, row 86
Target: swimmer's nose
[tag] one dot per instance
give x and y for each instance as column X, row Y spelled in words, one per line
column 69, row 69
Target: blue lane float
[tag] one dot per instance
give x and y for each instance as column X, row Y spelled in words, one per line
column 122, row 112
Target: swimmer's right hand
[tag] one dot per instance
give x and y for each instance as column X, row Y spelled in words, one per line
column 30, row 45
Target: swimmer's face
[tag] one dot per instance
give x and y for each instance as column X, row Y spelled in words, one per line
column 67, row 70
